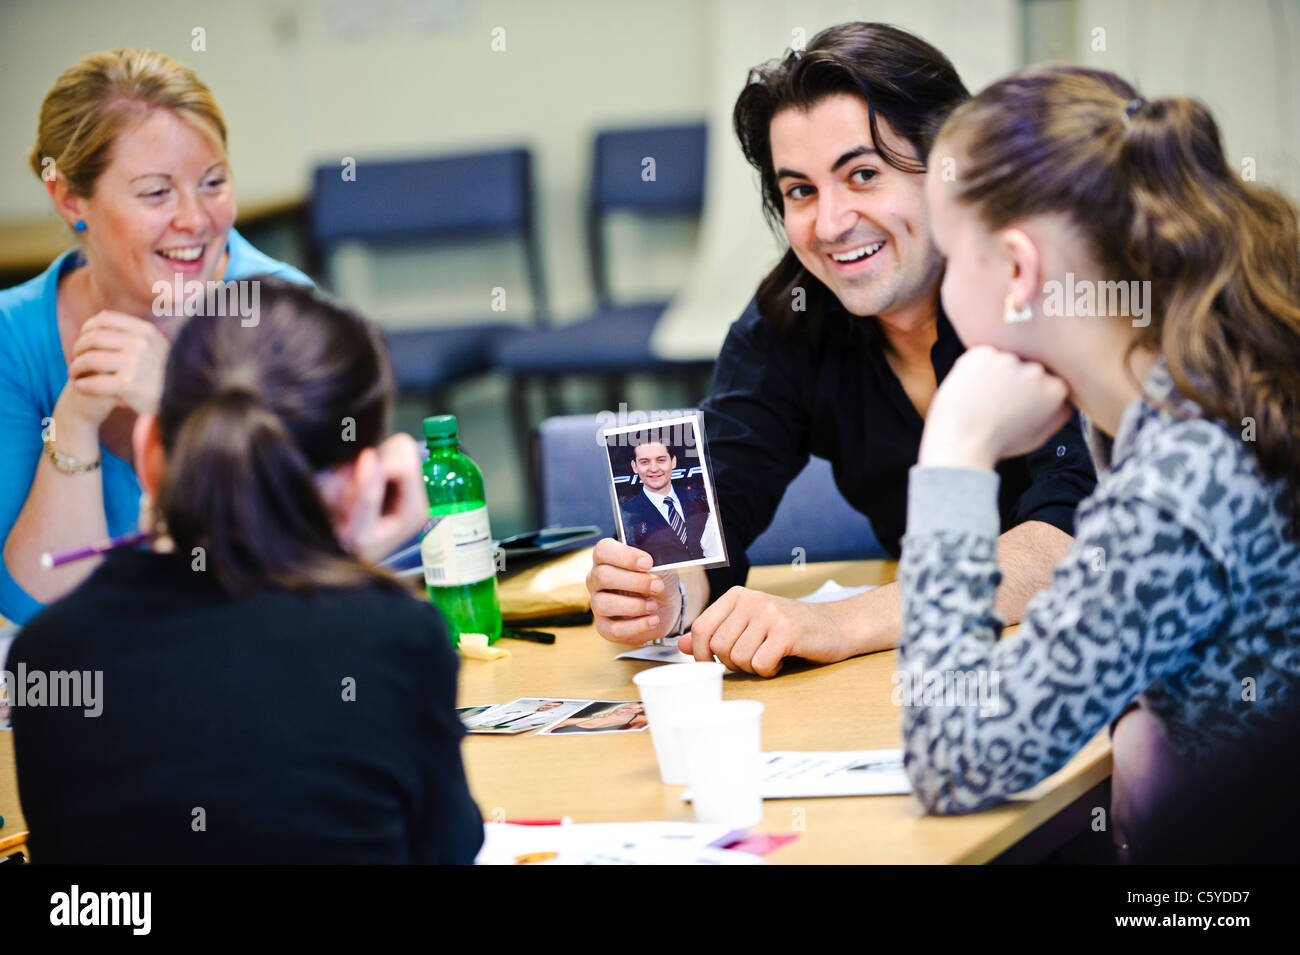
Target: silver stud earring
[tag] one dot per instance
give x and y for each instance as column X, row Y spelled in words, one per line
column 1014, row 316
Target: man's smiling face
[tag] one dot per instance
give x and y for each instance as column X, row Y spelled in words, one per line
column 654, row 466
column 855, row 222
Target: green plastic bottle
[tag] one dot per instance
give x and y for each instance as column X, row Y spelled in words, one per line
column 457, row 550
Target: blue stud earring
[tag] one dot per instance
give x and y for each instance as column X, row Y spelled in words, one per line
column 81, row 225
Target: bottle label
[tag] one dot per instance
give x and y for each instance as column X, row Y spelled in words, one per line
column 458, row 549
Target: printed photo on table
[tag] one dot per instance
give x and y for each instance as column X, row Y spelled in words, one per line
column 663, row 492
column 467, row 713
column 522, row 715
column 602, row 716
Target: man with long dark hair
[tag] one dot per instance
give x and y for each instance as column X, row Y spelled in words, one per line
column 838, row 355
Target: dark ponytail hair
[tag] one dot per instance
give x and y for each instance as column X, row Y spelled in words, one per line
column 1149, row 188
column 900, row 76
column 249, row 415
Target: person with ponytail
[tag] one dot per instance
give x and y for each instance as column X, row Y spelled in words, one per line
column 255, row 689
column 131, row 147
column 1174, row 616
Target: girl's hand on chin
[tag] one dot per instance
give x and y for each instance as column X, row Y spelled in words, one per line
column 992, row 405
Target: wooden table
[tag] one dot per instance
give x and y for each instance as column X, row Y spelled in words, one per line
column 614, row 777
column 14, row 832
column 845, row 706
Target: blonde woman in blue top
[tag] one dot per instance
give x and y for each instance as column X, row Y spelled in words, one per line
column 131, row 147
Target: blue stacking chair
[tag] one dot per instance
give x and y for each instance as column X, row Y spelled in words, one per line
column 615, row 339
column 573, row 489
column 814, row 515
column 572, row 471
column 459, row 198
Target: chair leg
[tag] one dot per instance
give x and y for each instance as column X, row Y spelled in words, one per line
column 552, row 396
column 699, row 378
column 520, row 418
column 615, row 390
column 440, row 400
column 533, row 494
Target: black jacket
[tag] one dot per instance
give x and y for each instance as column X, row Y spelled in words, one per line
column 778, row 398
column 648, row 528
column 271, row 727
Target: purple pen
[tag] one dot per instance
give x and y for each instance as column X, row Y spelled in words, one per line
column 50, row 561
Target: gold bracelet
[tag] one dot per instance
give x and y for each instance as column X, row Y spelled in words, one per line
column 66, row 463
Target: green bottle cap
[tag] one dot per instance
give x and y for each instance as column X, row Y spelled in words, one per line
column 441, row 427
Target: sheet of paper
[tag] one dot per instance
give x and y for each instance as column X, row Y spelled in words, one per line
column 668, row 653
column 614, row 843
column 522, row 715
column 467, row 713
column 831, row 591
column 866, row 772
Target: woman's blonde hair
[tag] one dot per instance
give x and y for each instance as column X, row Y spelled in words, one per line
column 99, row 95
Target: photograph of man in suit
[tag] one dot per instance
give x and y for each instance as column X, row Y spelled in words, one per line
column 672, row 523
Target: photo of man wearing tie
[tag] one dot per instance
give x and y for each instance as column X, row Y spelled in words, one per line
column 671, row 521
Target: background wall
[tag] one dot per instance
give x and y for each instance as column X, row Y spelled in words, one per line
column 304, row 82
column 1239, row 58
column 981, row 37
column 311, row 81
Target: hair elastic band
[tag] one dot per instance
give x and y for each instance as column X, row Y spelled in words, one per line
column 1133, row 106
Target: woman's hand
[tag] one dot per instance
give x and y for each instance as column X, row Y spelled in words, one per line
column 391, row 505
column 992, row 406
column 118, row 360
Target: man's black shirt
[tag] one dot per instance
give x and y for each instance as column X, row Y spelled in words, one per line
column 779, row 397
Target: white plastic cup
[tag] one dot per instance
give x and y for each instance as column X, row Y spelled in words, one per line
column 722, row 746
column 666, row 690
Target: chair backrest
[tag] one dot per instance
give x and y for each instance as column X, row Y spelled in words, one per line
column 573, row 472
column 620, row 181
column 813, row 515
column 444, row 198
